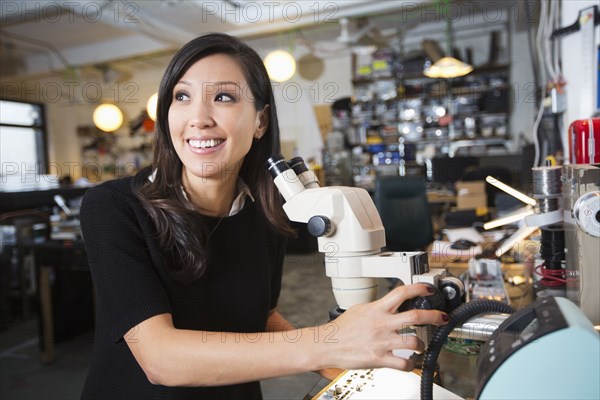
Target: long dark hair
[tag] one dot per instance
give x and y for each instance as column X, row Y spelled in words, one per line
column 181, row 230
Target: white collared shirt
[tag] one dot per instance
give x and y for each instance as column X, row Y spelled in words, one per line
column 238, row 203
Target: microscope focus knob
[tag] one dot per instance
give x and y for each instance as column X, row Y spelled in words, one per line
column 319, row 225
column 435, row 301
column 452, row 290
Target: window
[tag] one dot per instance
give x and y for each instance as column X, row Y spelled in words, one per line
column 22, row 142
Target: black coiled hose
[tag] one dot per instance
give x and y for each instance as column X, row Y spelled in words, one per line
column 457, row 318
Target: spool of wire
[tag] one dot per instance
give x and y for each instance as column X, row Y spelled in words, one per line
column 550, row 268
column 552, row 253
column 552, row 249
column 547, row 188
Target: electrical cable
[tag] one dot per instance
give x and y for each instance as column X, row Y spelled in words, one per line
column 149, row 28
column 530, row 40
column 35, row 52
column 556, row 43
column 41, row 43
column 538, row 119
column 457, row 318
column 548, row 52
column 538, row 45
column 550, row 70
column 536, row 125
column 551, row 277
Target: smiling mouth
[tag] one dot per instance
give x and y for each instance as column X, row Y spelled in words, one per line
column 205, row 144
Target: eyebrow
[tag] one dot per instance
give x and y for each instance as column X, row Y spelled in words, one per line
column 221, row 83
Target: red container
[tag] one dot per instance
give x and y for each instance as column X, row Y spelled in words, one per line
column 584, row 141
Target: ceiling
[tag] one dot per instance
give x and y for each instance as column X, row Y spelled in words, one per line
column 44, row 36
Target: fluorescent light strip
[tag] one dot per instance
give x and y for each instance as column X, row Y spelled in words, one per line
column 513, row 192
column 516, row 237
column 519, row 215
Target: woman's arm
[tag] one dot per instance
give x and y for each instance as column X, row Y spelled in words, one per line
column 362, row 337
column 277, row 322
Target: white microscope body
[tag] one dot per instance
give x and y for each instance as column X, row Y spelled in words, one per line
column 350, row 235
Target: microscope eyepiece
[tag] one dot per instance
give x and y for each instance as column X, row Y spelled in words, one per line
column 277, row 165
column 284, row 177
column 298, row 165
column 307, row 177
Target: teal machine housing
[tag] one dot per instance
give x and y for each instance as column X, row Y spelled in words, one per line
column 548, row 350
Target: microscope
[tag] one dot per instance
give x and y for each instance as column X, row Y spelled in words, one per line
column 351, row 235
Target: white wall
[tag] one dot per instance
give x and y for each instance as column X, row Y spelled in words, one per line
column 296, row 98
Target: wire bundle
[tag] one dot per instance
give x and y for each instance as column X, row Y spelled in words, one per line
column 552, row 278
column 547, row 52
column 547, row 187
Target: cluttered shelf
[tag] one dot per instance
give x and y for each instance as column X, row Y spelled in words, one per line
column 20, row 200
column 418, row 75
column 398, row 120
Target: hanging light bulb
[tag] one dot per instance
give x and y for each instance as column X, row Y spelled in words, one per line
column 107, row 117
column 151, row 106
column 280, row 65
column 447, row 67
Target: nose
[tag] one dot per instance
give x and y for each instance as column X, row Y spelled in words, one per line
column 202, row 117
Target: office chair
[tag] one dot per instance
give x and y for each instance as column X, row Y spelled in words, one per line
column 404, row 210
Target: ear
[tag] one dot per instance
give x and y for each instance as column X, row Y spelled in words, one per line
column 262, row 122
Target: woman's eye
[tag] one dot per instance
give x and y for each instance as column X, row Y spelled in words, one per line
column 224, row 98
column 181, row 96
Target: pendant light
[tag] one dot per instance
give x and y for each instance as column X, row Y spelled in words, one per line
column 447, row 67
column 107, row 117
column 280, row 65
column 151, row 106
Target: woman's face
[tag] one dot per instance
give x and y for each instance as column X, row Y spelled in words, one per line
column 213, row 118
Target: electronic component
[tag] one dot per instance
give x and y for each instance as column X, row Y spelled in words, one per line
column 381, row 384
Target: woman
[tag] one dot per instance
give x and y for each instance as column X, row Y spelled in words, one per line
column 187, row 257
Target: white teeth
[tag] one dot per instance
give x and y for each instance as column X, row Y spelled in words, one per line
column 204, row 144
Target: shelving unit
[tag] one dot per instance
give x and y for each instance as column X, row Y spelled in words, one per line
column 400, row 121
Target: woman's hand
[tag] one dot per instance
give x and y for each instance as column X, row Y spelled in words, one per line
column 366, row 334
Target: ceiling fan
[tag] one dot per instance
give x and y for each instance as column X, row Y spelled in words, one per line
column 365, row 40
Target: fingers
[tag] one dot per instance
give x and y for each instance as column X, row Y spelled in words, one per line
column 399, row 295
column 410, row 318
column 409, row 342
column 403, row 364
